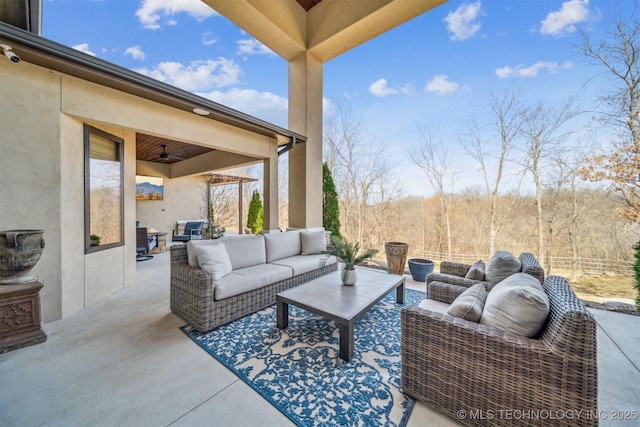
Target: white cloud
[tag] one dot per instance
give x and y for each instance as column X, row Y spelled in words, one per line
column 252, row 47
column 265, row 105
column 381, row 89
column 208, row 38
column 564, row 20
column 532, row 70
column 151, row 11
column 441, row 84
column 463, row 22
column 84, row 47
column 135, row 52
column 199, row 75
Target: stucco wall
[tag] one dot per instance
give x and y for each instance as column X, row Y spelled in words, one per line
column 184, row 198
column 42, row 175
column 30, row 185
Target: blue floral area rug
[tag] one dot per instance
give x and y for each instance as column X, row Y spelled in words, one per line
column 299, row 372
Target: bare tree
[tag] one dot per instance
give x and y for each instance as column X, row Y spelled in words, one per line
column 541, row 126
column 505, row 113
column 618, row 54
column 361, row 172
column 434, row 158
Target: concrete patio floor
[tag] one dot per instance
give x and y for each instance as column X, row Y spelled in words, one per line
column 124, row 362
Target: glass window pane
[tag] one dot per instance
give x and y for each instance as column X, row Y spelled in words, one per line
column 105, row 193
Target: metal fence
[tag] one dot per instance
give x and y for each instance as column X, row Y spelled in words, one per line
column 589, row 265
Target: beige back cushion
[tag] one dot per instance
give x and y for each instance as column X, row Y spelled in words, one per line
column 500, row 266
column 518, row 305
column 282, row 245
column 245, row 251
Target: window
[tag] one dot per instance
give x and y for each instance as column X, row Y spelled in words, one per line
column 103, row 190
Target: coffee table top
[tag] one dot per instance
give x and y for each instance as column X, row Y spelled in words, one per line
column 328, row 297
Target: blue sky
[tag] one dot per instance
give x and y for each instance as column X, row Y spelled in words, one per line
column 436, row 70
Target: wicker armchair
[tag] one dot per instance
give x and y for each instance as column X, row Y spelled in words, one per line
column 454, row 272
column 480, row 375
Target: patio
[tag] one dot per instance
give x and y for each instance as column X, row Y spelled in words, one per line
column 123, row 361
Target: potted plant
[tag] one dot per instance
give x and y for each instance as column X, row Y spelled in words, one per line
column 420, row 268
column 350, row 254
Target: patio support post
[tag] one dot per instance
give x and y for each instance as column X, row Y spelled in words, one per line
column 305, row 160
column 270, row 191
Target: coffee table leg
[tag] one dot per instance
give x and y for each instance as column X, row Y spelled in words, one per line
column 346, row 341
column 282, row 314
column 400, row 294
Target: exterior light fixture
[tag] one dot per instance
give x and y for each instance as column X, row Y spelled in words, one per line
column 201, row 111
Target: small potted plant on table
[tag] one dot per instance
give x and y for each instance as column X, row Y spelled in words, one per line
column 350, row 254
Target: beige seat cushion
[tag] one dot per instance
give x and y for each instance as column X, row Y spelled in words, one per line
column 500, row 266
column 476, row 272
column 469, row 304
column 518, row 305
column 434, row 305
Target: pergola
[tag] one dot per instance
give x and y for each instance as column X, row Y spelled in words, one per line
column 228, row 177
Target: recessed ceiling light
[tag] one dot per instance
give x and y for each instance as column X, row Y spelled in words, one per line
column 201, row 111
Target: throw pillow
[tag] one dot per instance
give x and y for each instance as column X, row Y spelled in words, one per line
column 469, row 304
column 214, row 259
column 313, row 242
column 517, row 305
column 500, row 266
column 476, row 272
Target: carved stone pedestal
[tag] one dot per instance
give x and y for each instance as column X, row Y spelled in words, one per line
column 20, row 319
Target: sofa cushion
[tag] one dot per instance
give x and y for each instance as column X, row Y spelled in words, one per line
column 313, row 242
column 214, row 259
column 434, row 305
column 476, row 272
column 245, row 251
column 518, row 305
column 282, row 245
column 469, row 304
column 249, row 279
column 192, row 258
column 301, row 264
column 500, row 266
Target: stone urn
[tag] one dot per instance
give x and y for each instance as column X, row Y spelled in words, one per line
column 396, row 256
column 20, row 251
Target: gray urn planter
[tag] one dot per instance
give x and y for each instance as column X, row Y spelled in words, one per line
column 420, row 268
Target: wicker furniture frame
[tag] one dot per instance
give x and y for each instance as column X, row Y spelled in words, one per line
column 457, row 365
column 192, row 293
column 454, row 272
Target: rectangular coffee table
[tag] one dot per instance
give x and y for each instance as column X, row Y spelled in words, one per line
column 328, row 297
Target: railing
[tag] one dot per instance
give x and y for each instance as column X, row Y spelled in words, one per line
column 591, row 265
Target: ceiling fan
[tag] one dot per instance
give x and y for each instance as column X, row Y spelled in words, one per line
column 166, row 156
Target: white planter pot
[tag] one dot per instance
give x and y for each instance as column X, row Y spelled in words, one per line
column 349, row 277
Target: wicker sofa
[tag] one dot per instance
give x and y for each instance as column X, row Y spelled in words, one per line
column 480, row 375
column 454, row 272
column 262, row 266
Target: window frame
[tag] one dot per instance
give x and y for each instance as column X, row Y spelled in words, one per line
column 88, row 131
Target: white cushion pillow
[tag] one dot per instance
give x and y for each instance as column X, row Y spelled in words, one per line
column 313, row 242
column 518, row 305
column 192, row 259
column 476, row 272
column 214, row 259
column 500, row 266
column 469, row 304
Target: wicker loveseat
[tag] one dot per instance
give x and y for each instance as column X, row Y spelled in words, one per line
column 262, row 266
column 480, row 375
column 454, row 272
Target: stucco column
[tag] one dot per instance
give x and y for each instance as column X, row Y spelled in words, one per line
column 305, row 160
column 270, row 191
